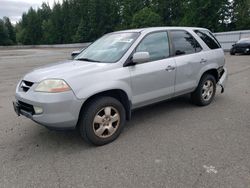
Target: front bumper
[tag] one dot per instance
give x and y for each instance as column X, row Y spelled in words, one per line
column 60, row 110
column 223, row 80
column 243, row 50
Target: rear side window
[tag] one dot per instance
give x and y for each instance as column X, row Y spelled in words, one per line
column 208, row 38
column 184, row 43
column 156, row 44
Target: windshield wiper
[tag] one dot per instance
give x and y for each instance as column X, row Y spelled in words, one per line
column 87, row 59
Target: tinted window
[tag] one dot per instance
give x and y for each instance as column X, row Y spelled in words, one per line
column 184, row 43
column 208, row 38
column 156, row 44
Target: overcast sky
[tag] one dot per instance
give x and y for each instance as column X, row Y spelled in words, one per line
column 15, row 8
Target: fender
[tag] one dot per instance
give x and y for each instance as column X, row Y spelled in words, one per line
column 91, row 90
column 205, row 69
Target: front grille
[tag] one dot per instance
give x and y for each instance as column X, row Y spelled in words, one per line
column 26, row 85
column 26, row 107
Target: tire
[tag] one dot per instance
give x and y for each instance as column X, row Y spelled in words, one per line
column 232, row 52
column 205, row 92
column 102, row 120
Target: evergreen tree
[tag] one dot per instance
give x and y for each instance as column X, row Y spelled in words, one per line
column 31, row 32
column 57, row 22
column 4, row 37
column 44, row 12
column 82, row 34
column 127, row 10
column 202, row 13
column 47, row 28
column 146, row 18
column 10, row 30
column 241, row 14
column 225, row 16
column 86, row 20
column 171, row 11
column 66, row 20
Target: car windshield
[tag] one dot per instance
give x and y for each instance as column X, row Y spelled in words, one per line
column 244, row 41
column 108, row 49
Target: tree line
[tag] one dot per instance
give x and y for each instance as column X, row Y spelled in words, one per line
column 85, row 20
column 7, row 32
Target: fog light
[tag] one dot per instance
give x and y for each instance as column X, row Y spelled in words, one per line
column 38, row 110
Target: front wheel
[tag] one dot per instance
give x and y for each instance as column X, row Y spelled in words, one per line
column 102, row 121
column 232, row 52
column 205, row 92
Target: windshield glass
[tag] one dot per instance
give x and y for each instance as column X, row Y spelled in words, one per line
column 109, row 48
column 244, row 41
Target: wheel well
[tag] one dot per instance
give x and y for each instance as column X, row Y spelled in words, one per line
column 118, row 94
column 213, row 72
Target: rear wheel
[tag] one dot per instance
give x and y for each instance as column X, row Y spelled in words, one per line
column 232, row 52
column 102, row 121
column 205, row 92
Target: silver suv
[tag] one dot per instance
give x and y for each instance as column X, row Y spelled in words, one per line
column 97, row 90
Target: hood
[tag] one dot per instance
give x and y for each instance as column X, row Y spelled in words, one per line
column 65, row 70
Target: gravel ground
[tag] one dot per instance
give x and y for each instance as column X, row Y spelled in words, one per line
column 172, row 144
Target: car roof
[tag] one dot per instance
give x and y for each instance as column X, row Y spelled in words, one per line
column 152, row 29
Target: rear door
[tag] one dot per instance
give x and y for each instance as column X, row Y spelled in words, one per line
column 214, row 53
column 188, row 58
column 154, row 80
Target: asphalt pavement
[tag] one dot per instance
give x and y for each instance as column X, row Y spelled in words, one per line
column 173, row 144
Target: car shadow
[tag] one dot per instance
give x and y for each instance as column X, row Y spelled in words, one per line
column 160, row 110
column 72, row 139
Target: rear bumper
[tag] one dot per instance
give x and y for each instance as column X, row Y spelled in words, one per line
column 223, row 80
column 60, row 110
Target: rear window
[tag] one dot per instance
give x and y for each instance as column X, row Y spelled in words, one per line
column 208, row 38
column 244, row 41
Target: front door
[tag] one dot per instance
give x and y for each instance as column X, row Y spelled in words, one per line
column 154, row 80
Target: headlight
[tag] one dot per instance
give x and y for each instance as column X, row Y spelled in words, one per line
column 52, row 86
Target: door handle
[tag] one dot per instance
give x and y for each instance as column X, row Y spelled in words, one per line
column 203, row 61
column 170, row 68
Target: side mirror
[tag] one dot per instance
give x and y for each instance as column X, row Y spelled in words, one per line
column 140, row 57
column 75, row 53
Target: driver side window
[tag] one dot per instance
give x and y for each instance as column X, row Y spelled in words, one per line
column 156, row 44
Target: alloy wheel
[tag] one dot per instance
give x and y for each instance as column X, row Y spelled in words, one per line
column 106, row 122
column 207, row 90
